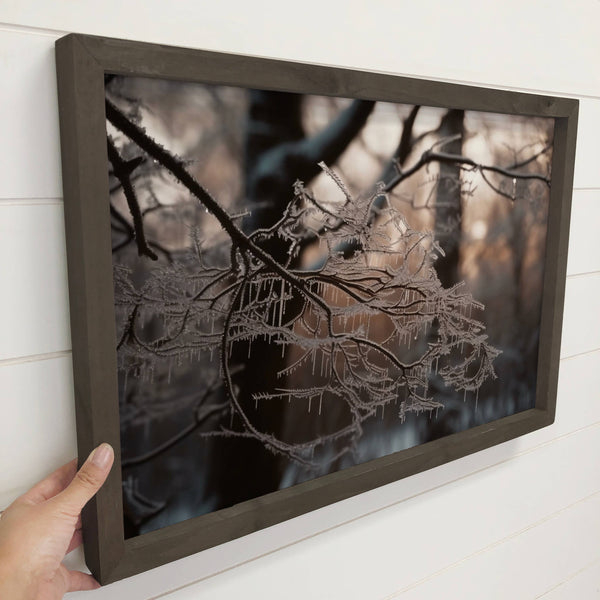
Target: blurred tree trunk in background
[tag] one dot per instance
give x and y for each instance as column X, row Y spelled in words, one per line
column 447, row 230
column 277, row 154
column 448, row 204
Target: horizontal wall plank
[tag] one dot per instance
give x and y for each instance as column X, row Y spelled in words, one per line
column 34, row 308
column 37, row 428
column 30, row 151
column 583, row 585
column 556, row 547
column 577, row 403
column 374, row 557
column 584, row 241
column 587, row 173
column 526, row 44
column 581, row 322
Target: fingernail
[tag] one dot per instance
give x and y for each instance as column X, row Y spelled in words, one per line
column 101, row 456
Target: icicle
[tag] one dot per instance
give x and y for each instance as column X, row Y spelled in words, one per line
column 309, row 401
column 320, row 403
column 271, row 290
column 125, row 383
column 281, row 301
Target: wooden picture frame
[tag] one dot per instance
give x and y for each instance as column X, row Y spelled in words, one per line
column 82, row 63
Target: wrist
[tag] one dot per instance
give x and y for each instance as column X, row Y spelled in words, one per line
column 14, row 584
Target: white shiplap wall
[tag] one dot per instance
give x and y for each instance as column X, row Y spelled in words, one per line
column 520, row 520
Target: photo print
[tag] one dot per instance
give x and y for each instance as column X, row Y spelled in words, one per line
column 306, row 283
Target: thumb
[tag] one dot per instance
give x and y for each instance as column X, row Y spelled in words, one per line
column 88, row 480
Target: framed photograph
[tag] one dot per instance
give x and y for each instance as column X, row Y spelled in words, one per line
column 291, row 283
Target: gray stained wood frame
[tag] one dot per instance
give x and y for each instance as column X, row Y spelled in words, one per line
column 82, row 62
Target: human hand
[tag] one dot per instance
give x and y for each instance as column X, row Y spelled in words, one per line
column 40, row 527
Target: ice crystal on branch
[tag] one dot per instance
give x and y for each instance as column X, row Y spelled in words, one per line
column 367, row 327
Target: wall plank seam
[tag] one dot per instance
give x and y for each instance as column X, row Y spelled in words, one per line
column 30, row 202
column 583, row 275
column 29, row 30
column 6, row 362
column 572, row 576
column 490, row 547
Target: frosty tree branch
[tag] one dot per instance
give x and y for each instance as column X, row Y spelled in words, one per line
column 388, row 284
column 122, row 171
column 463, row 162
